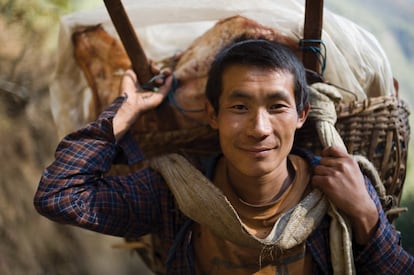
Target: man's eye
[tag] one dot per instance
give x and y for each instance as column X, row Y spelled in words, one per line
column 277, row 106
column 239, row 107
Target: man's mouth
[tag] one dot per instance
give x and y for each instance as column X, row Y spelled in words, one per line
column 258, row 150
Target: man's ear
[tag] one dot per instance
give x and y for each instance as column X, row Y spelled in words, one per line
column 303, row 115
column 211, row 115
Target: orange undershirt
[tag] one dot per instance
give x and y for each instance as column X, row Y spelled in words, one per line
column 215, row 255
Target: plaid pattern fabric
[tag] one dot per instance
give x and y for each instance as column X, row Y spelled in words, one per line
column 74, row 191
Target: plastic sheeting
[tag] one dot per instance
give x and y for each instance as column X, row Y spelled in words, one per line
column 355, row 60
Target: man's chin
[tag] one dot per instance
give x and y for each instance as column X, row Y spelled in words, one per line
column 256, row 170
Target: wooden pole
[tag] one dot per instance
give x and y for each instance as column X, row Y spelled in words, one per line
column 312, row 32
column 129, row 39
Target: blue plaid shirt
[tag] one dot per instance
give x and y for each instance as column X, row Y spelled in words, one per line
column 75, row 190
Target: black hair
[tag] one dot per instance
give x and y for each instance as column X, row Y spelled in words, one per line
column 262, row 54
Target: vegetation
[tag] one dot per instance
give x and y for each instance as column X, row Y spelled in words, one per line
column 28, row 35
column 392, row 24
column 31, row 244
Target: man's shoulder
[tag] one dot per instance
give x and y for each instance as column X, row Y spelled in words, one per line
column 206, row 164
column 307, row 155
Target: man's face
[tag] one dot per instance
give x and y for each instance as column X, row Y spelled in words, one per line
column 256, row 119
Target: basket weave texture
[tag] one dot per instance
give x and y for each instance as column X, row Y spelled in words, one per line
column 378, row 129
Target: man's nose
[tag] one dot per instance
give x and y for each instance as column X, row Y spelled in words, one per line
column 260, row 125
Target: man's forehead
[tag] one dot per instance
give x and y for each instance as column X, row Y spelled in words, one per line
column 239, row 78
column 251, row 70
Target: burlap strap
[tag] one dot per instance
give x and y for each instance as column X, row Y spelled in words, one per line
column 199, row 199
column 323, row 98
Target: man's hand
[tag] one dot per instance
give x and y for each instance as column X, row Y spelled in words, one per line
column 338, row 176
column 138, row 100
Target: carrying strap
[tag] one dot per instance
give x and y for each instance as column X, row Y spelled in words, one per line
column 199, row 199
column 322, row 99
column 204, row 203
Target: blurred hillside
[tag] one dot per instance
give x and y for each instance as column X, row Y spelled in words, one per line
column 392, row 23
column 30, row 244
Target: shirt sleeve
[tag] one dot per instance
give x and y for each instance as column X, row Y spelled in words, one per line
column 383, row 254
column 74, row 190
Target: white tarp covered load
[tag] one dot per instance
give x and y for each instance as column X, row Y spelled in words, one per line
column 355, row 60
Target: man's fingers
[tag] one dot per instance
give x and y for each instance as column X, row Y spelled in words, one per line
column 154, row 69
column 129, row 82
column 165, row 88
column 129, row 76
column 323, row 170
column 334, row 151
column 153, row 99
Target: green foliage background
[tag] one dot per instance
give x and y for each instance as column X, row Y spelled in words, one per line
column 28, row 39
column 392, row 23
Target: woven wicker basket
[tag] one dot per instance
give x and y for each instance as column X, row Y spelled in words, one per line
column 377, row 128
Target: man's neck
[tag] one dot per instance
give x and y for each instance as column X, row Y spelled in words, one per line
column 261, row 190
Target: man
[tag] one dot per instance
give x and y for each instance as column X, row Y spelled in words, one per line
column 257, row 98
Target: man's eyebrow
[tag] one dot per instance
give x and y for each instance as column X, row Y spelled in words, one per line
column 238, row 94
column 279, row 94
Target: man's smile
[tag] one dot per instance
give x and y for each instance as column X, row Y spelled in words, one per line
column 257, row 152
